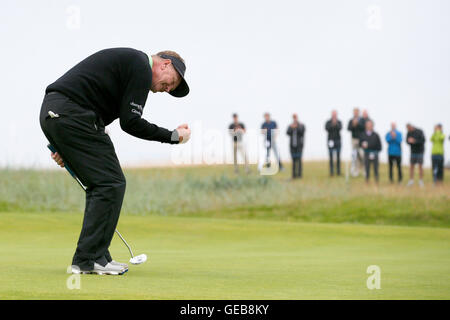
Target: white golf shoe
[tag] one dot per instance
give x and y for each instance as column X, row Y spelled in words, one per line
column 100, row 270
column 109, row 269
column 76, row 270
column 120, row 264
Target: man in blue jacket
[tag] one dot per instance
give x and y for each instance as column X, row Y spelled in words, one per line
column 269, row 129
column 394, row 140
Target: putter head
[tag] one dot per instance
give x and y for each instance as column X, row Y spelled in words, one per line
column 139, row 259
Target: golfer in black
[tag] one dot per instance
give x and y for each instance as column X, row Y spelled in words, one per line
column 110, row 84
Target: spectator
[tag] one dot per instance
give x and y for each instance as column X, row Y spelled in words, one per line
column 416, row 139
column 371, row 143
column 333, row 127
column 296, row 132
column 269, row 129
column 447, row 165
column 356, row 127
column 237, row 131
column 394, row 139
column 365, row 118
column 437, row 154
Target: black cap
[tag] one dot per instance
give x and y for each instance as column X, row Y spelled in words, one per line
column 182, row 89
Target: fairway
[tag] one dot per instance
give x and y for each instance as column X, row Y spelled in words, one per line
column 215, row 258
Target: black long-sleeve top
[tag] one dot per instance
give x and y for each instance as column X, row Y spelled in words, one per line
column 373, row 141
column 357, row 129
column 419, row 145
column 114, row 83
column 297, row 136
column 334, row 130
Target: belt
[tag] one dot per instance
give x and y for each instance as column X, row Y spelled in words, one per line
column 98, row 121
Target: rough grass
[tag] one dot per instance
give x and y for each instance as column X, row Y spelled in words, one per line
column 215, row 191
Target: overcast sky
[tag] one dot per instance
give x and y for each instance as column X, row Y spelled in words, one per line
column 391, row 57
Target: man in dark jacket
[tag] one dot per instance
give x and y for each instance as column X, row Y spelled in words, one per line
column 356, row 127
column 365, row 117
column 296, row 133
column 333, row 127
column 237, row 131
column 416, row 139
column 110, row 84
column 371, row 144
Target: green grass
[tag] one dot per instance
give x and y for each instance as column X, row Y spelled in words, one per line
column 204, row 258
column 211, row 234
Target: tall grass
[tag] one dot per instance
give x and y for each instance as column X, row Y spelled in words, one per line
column 217, row 192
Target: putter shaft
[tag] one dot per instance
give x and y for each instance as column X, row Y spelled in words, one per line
column 52, row 149
column 123, row 240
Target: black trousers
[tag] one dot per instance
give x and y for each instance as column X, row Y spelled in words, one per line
column 296, row 155
column 398, row 161
column 368, row 162
column 331, row 151
column 79, row 137
column 437, row 163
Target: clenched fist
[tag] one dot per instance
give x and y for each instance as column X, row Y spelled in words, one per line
column 184, row 133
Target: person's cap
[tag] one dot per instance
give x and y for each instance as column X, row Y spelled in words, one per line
column 182, row 89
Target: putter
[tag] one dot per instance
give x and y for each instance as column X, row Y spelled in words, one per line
column 134, row 259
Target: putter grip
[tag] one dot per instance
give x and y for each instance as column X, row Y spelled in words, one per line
column 52, row 149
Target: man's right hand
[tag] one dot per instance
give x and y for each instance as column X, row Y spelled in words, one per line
column 58, row 159
column 184, row 133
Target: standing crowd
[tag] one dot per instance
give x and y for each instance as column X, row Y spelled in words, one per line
column 365, row 144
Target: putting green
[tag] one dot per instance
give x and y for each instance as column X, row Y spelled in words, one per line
column 203, row 258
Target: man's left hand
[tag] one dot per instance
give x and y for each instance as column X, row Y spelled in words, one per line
column 184, row 133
